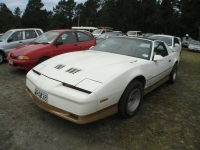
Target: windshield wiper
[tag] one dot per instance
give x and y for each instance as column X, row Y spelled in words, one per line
column 45, row 43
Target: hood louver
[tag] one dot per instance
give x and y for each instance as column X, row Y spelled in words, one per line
column 73, row 70
column 59, row 66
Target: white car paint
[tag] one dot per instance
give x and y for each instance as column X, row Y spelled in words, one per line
column 103, row 75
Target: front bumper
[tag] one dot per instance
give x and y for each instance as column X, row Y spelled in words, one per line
column 79, row 119
column 70, row 104
column 21, row 64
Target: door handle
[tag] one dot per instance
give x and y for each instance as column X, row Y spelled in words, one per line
column 20, row 42
column 75, row 44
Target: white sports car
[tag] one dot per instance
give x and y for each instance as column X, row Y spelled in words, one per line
column 110, row 78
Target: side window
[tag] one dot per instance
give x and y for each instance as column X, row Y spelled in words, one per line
column 68, row 37
column 39, row 32
column 17, row 36
column 83, row 37
column 30, row 34
column 103, row 31
column 176, row 41
column 160, row 49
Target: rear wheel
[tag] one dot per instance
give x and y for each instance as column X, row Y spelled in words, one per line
column 1, row 57
column 41, row 60
column 173, row 74
column 131, row 99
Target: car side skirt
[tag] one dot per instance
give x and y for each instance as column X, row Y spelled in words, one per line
column 113, row 109
column 151, row 88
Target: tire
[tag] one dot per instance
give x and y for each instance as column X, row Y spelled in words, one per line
column 173, row 74
column 41, row 60
column 131, row 99
column 1, row 57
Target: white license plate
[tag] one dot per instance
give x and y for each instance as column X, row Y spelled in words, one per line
column 41, row 95
column 11, row 62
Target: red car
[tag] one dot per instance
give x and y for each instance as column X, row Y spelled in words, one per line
column 49, row 44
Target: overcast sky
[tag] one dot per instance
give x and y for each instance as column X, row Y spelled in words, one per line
column 48, row 4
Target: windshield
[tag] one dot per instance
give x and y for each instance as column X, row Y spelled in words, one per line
column 98, row 31
column 5, row 35
column 126, row 46
column 167, row 40
column 47, row 37
column 195, row 42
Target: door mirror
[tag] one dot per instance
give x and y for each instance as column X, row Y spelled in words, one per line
column 158, row 58
column 58, row 43
column 176, row 45
column 10, row 39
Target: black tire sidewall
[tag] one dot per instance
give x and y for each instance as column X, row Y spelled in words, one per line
column 123, row 102
column 1, row 54
column 171, row 76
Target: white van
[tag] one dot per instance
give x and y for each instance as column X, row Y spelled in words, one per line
column 134, row 33
column 90, row 29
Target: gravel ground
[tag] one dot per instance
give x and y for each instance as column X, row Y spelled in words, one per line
column 168, row 118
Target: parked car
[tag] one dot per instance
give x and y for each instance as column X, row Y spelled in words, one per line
column 48, row 45
column 146, row 35
column 104, row 36
column 1, row 34
column 110, row 78
column 15, row 38
column 186, row 40
column 172, row 41
column 98, row 32
column 194, row 46
column 134, row 33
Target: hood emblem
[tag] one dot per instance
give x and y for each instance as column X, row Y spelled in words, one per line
column 73, row 70
column 59, row 66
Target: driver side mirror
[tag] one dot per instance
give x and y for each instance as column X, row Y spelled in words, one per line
column 176, row 45
column 10, row 39
column 58, row 43
column 157, row 58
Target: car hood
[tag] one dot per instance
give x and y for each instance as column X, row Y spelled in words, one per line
column 74, row 67
column 23, row 50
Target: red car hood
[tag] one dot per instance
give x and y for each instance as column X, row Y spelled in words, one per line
column 23, row 50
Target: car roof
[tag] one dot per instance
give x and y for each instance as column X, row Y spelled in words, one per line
column 163, row 35
column 25, row 29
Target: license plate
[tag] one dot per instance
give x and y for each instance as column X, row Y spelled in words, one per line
column 41, row 95
column 11, row 62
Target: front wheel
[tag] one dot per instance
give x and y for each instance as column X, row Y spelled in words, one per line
column 1, row 57
column 173, row 74
column 131, row 99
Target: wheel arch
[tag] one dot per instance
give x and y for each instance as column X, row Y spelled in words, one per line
column 3, row 52
column 139, row 78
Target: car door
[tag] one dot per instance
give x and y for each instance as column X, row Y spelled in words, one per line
column 85, row 41
column 14, row 41
column 160, row 69
column 177, row 44
column 69, row 43
column 30, row 35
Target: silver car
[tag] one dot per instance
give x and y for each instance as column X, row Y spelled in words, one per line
column 194, row 46
column 15, row 38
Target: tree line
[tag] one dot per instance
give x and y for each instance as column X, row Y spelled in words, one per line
column 173, row 17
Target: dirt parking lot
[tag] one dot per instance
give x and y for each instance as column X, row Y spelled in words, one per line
column 168, row 118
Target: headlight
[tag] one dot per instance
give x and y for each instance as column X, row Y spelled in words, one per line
column 23, row 57
column 88, row 84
